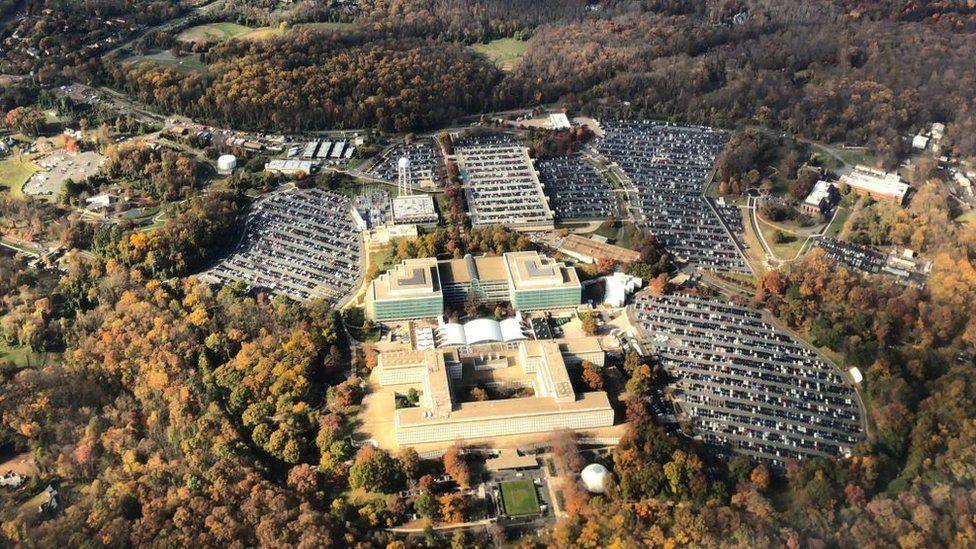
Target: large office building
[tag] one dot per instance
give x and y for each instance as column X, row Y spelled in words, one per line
column 879, row 185
column 421, row 288
column 442, row 377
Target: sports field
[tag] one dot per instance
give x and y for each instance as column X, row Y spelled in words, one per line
column 519, row 498
column 14, row 173
column 504, row 52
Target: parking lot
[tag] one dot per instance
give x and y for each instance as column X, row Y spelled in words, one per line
column 856, row 256
column 59, row 166
column 668, row 167
column 299, row 243
column 576, row 190
column 426, row 164
column 501, row 185
column 745, row 384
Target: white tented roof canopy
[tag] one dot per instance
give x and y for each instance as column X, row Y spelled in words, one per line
column 482, row 330
column 512, row 330
column 451, row 334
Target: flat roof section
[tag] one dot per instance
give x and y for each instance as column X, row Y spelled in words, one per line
column 487, row 268
column 576, row 245
column 414, row 207
column 414, row 278
column 877, row 182
column 530, row 270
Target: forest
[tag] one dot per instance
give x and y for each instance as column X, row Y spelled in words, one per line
column 857, row 72
column 305, row 81
column 193, row 416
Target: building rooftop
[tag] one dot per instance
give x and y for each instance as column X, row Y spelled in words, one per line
column 559, row 121
column 820, row 192
column 530, row 270
column 484, row 268
column 410, row 207
column 414, row 278
column 509, row 408
column 539, row 361
column 578, row 246
column 877, row 182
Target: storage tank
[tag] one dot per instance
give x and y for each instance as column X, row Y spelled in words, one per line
column 226, row 163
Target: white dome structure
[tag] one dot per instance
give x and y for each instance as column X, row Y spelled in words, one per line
column 404, row 162
column 594, row 478
column 226, row 163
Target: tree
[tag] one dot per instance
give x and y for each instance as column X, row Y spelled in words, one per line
column 26, row 120
column 593, row 375
column 456, row 466
column 760, row 477
column 659, row 285
column 409, row 462
column 427, row 505
column 453, row 507
column 375, row 471
column 590, row 326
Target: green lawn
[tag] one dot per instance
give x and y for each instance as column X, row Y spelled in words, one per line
column 14, row 173
column 837, row 225
column 967, row 218
column 213, row 32
column 784, row 250
column 519, row 498
column 852, row 157
column 184, row 65
column 504, row 52
column 23, row 357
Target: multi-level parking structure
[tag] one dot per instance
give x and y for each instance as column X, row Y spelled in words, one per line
column 299, row 243
column 747, row 385
column 576, row 189
column 668, row 167
column 501, row 185
column 425, row 164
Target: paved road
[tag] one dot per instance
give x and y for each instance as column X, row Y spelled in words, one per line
column 169, row 25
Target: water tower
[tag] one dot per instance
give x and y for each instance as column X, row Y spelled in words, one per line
column 404, row 179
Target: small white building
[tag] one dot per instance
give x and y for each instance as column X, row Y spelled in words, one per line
column 289, row 167
column 559, row 121
column 920, row 142
column 617, row 287
column 100, row 202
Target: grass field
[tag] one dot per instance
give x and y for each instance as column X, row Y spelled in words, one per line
column 14, row 173
column 851, row 157
column 213, row 32
column 519, row 498
column 504, row 52
column 190, row 63
column 837, row 224
column 968, row 218
column 785, row 250
column 23, row 357
column 221, row 32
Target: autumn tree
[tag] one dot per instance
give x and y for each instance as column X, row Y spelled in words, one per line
column 457, row 467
